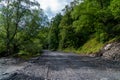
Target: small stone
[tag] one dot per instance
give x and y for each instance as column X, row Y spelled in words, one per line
column 107, row 47
column 5, row 73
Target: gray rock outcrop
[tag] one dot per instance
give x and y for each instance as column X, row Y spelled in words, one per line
column 111, row 51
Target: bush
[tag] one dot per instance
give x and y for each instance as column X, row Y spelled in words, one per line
column 103, row 37
column 33, row 46
column 30, row 49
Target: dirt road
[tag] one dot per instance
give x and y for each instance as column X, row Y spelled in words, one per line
column 61, row 66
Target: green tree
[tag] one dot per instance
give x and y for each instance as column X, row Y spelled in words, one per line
column 115, row 8
column 53, row 38
column 21, row 21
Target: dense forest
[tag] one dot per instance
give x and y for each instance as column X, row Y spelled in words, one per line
column 84, row 26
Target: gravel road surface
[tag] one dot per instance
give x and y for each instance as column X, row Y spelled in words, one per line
column 59, row 66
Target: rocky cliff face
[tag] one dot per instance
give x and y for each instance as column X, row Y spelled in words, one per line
column 111, row 51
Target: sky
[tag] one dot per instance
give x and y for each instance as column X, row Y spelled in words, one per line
column 51, row 7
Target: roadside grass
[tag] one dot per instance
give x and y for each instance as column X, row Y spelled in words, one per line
column 114, row 39
column 90, row 47
column 26, row 55
column 71, row 49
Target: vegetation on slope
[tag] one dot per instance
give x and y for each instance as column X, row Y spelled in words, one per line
column 83, row 19
column 91, row 46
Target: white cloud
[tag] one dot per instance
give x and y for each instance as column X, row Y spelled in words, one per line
column 51, row 7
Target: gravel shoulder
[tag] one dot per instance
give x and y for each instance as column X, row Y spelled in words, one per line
column 59, row 66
